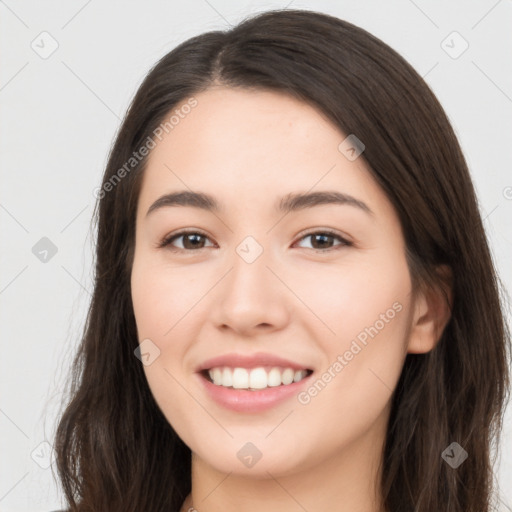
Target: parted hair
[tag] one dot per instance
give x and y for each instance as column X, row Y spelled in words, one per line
column 115, row 450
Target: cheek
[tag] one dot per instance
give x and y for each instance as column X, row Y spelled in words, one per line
column 368, row 308
column 162, row 298
column 168, row 304
column 161, row 301
column 350, row 297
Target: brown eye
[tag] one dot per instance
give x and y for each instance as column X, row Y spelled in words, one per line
column 322, row 240
column 192, row 240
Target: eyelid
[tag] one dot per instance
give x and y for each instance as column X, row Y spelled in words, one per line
column 166, row 241
column 324, row 231
column 344, row 240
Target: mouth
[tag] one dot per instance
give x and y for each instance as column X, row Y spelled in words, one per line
column 254, row 379
column 252, row 383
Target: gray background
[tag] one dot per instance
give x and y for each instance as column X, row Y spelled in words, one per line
column 59, row 116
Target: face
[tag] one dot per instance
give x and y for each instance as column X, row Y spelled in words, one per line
column 317, row 292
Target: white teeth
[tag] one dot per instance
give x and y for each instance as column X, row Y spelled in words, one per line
column 255, row 378
column 274, row 377
column 258, row 378
column 287, row 376
column 240, row 378
column 217, row 376
column 227, row 377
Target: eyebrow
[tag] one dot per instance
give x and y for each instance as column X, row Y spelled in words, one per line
column 289, row 203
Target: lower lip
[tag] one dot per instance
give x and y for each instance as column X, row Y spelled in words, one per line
column 243, row 400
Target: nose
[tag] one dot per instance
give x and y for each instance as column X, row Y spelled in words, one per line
column 251, row 299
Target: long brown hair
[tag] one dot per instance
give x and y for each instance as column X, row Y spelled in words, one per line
column 116, row 451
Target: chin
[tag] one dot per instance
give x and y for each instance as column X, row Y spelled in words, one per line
column 252, row 457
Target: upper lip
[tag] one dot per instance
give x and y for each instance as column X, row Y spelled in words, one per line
column 249, row 361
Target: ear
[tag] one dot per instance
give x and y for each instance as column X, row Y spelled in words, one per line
column 432, row 312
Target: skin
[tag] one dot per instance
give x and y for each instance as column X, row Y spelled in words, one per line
column 248, row 149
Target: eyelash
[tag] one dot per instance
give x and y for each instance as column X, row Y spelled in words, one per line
column 166, row 242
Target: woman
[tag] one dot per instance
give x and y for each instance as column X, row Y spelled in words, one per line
column 295, row 306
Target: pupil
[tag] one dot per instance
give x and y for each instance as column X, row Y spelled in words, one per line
column 194, row 239
column 190, row 236
column 323, row 237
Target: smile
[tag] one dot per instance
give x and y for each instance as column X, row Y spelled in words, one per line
column 254, row 378
column 252, row 383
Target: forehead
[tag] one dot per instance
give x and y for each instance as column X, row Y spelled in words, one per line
column 245, row 144
column 239, row 124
